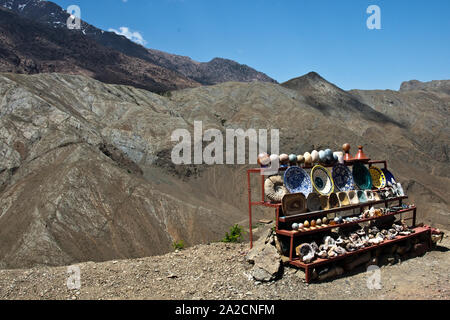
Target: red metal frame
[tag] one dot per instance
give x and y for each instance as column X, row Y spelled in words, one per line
column 301, row 217
column 308, row 266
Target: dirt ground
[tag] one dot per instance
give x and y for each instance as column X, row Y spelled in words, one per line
column 219, row 271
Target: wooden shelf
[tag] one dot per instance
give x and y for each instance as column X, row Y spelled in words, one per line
column 297, row 233
column 417, row 231
column 295, row 217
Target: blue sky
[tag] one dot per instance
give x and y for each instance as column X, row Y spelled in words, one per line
column 288, row 38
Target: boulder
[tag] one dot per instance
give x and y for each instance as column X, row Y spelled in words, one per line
column 258, row 246
column 265, row 257
column 267, row 264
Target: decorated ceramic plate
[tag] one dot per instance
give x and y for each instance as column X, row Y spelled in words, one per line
column 296, row 180
column 322, row 180
column 378, row 177
column 362, row 177
column 343, row 178
column 389, row 177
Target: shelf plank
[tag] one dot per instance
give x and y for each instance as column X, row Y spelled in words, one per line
column 319, row 261
column 296, row 233
column 295, row 217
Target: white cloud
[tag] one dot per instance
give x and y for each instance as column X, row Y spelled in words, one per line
column 134, row 36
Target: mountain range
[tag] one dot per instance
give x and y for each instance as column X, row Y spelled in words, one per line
column 85, row 143
column 45, row 44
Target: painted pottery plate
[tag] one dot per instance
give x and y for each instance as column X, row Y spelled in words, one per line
column 343, row 178
column 362, row 177
column 389, row 177
column 322, row 180
column 296, row 180
column 378, row 177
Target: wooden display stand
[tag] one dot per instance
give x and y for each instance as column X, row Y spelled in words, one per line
column 283, row 221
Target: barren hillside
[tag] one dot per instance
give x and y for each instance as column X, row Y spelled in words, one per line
column 86, row 174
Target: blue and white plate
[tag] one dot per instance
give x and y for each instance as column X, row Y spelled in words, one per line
column 343, row 178
column 297, row 180
column 390, row 180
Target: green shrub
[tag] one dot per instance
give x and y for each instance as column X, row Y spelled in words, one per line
column 235, row 234
column 178, row 245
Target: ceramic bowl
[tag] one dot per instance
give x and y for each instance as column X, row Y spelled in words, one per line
column 378, row 177
column 369, row 195
column 361, row 176
column 313, row 202
column 324, row 202
column 322, row 180
column 294, row 203
column 377, row 196
column 343, row 199
column 361, row 196
column 333, row 201
column 342, row 178
column 353, row 197
column 297, row 180
column 390, row 180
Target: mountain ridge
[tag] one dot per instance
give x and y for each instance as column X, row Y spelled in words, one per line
column 217, row 70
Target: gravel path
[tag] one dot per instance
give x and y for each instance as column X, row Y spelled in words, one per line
column 219, row 271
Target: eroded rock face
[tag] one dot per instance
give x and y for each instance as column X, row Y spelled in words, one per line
column 76, row 175
column 436, row 85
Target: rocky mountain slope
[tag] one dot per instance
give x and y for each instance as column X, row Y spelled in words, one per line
column 215, row 71
column 71, row 184
column 436, row 86
column 86, row 173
